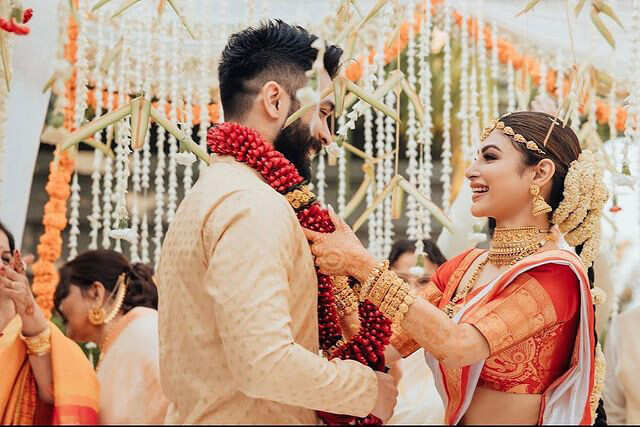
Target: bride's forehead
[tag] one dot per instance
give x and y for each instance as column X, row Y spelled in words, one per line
column 497, row 139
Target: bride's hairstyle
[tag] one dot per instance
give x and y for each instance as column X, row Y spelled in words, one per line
column 577, row 191
column 105, row 266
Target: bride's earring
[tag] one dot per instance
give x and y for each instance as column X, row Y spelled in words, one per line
column 539, row 205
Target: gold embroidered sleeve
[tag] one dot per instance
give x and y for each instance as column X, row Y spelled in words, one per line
column 400, row 340
column 523, row 310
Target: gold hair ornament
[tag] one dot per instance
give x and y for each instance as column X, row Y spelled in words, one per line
column 507, row 130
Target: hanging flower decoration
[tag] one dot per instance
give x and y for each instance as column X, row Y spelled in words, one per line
column 54, row 220
column 17, row 20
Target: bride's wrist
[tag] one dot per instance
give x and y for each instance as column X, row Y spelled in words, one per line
column 362, row 266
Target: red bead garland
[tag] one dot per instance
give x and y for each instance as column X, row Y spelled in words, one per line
column 367, row 347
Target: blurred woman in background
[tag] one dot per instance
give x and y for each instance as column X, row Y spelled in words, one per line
column 106, row 300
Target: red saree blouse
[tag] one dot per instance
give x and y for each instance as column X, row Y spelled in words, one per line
column 530, row 327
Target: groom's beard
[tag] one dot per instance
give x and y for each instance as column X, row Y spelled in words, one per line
column 297, row 145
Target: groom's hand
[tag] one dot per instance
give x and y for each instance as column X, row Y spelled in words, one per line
column 387, row 397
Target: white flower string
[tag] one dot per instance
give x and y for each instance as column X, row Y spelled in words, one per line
column 74, row 215
column 426, row 135
column 559, row 68
column 389, row 145
column 107, row 182
column 447, row 170
column 173, row 116
column 463, row 114
column 482, row 63
column 632, row 134
column 82, row 79
column 321, row 183
column 378, row 61
column 4, row 100
column 474, row 110
column 542, row 83
column 123, row 141
column 412, row 127
column 495, row 70
column 146, row 148
column 203, row 92
column 613, row 132
column 573, row 100
column 342, row 165
column 187, row 180
column 369, row 76
column 94, row 218
column 136, row 180
column 160, row 190
column 511, row 88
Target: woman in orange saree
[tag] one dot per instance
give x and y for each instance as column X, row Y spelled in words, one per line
column 508, row 333
column 45, row 377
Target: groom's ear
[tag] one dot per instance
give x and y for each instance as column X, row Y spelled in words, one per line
column 275, row 101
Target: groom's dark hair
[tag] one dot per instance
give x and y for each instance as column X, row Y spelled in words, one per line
column 274, row 51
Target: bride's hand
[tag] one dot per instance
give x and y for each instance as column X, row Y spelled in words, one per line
column 339, row 253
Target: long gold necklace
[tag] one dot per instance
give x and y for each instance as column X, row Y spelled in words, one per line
column 508, row 246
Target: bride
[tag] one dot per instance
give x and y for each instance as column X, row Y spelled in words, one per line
column 508, row 332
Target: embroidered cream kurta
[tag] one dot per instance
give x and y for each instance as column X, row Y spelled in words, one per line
column 238, row 311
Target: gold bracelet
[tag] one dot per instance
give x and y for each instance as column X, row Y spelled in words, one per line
column 345, row 300
column 40, row 344
column 373, row 277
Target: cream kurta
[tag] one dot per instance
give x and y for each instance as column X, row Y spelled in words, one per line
column 622, row 351
column 238, row 311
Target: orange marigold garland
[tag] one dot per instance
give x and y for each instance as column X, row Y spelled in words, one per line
column 54, row 220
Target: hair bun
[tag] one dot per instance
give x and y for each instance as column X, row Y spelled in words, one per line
column 578, row 214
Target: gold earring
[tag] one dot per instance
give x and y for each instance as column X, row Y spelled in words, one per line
column 97, row 315
column 539, row 205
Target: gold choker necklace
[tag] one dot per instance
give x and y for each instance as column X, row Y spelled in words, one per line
column 510, row 245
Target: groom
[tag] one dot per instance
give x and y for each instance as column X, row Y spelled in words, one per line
column 238, row 315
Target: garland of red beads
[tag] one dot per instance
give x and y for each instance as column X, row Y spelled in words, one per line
column 367, row 347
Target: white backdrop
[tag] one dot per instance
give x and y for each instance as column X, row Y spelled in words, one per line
column 33, row 58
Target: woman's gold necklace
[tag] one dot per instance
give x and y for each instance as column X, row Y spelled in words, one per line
column 508, row 246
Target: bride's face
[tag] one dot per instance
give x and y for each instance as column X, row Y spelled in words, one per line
column 499, row 179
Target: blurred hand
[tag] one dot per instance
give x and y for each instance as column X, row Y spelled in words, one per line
column 387, row 397
column 339, row 253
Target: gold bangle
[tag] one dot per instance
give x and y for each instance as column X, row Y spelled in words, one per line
column 373, row 277
column 38, row 345
column 388, row 298
column 380, row 288
column 392, row 296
